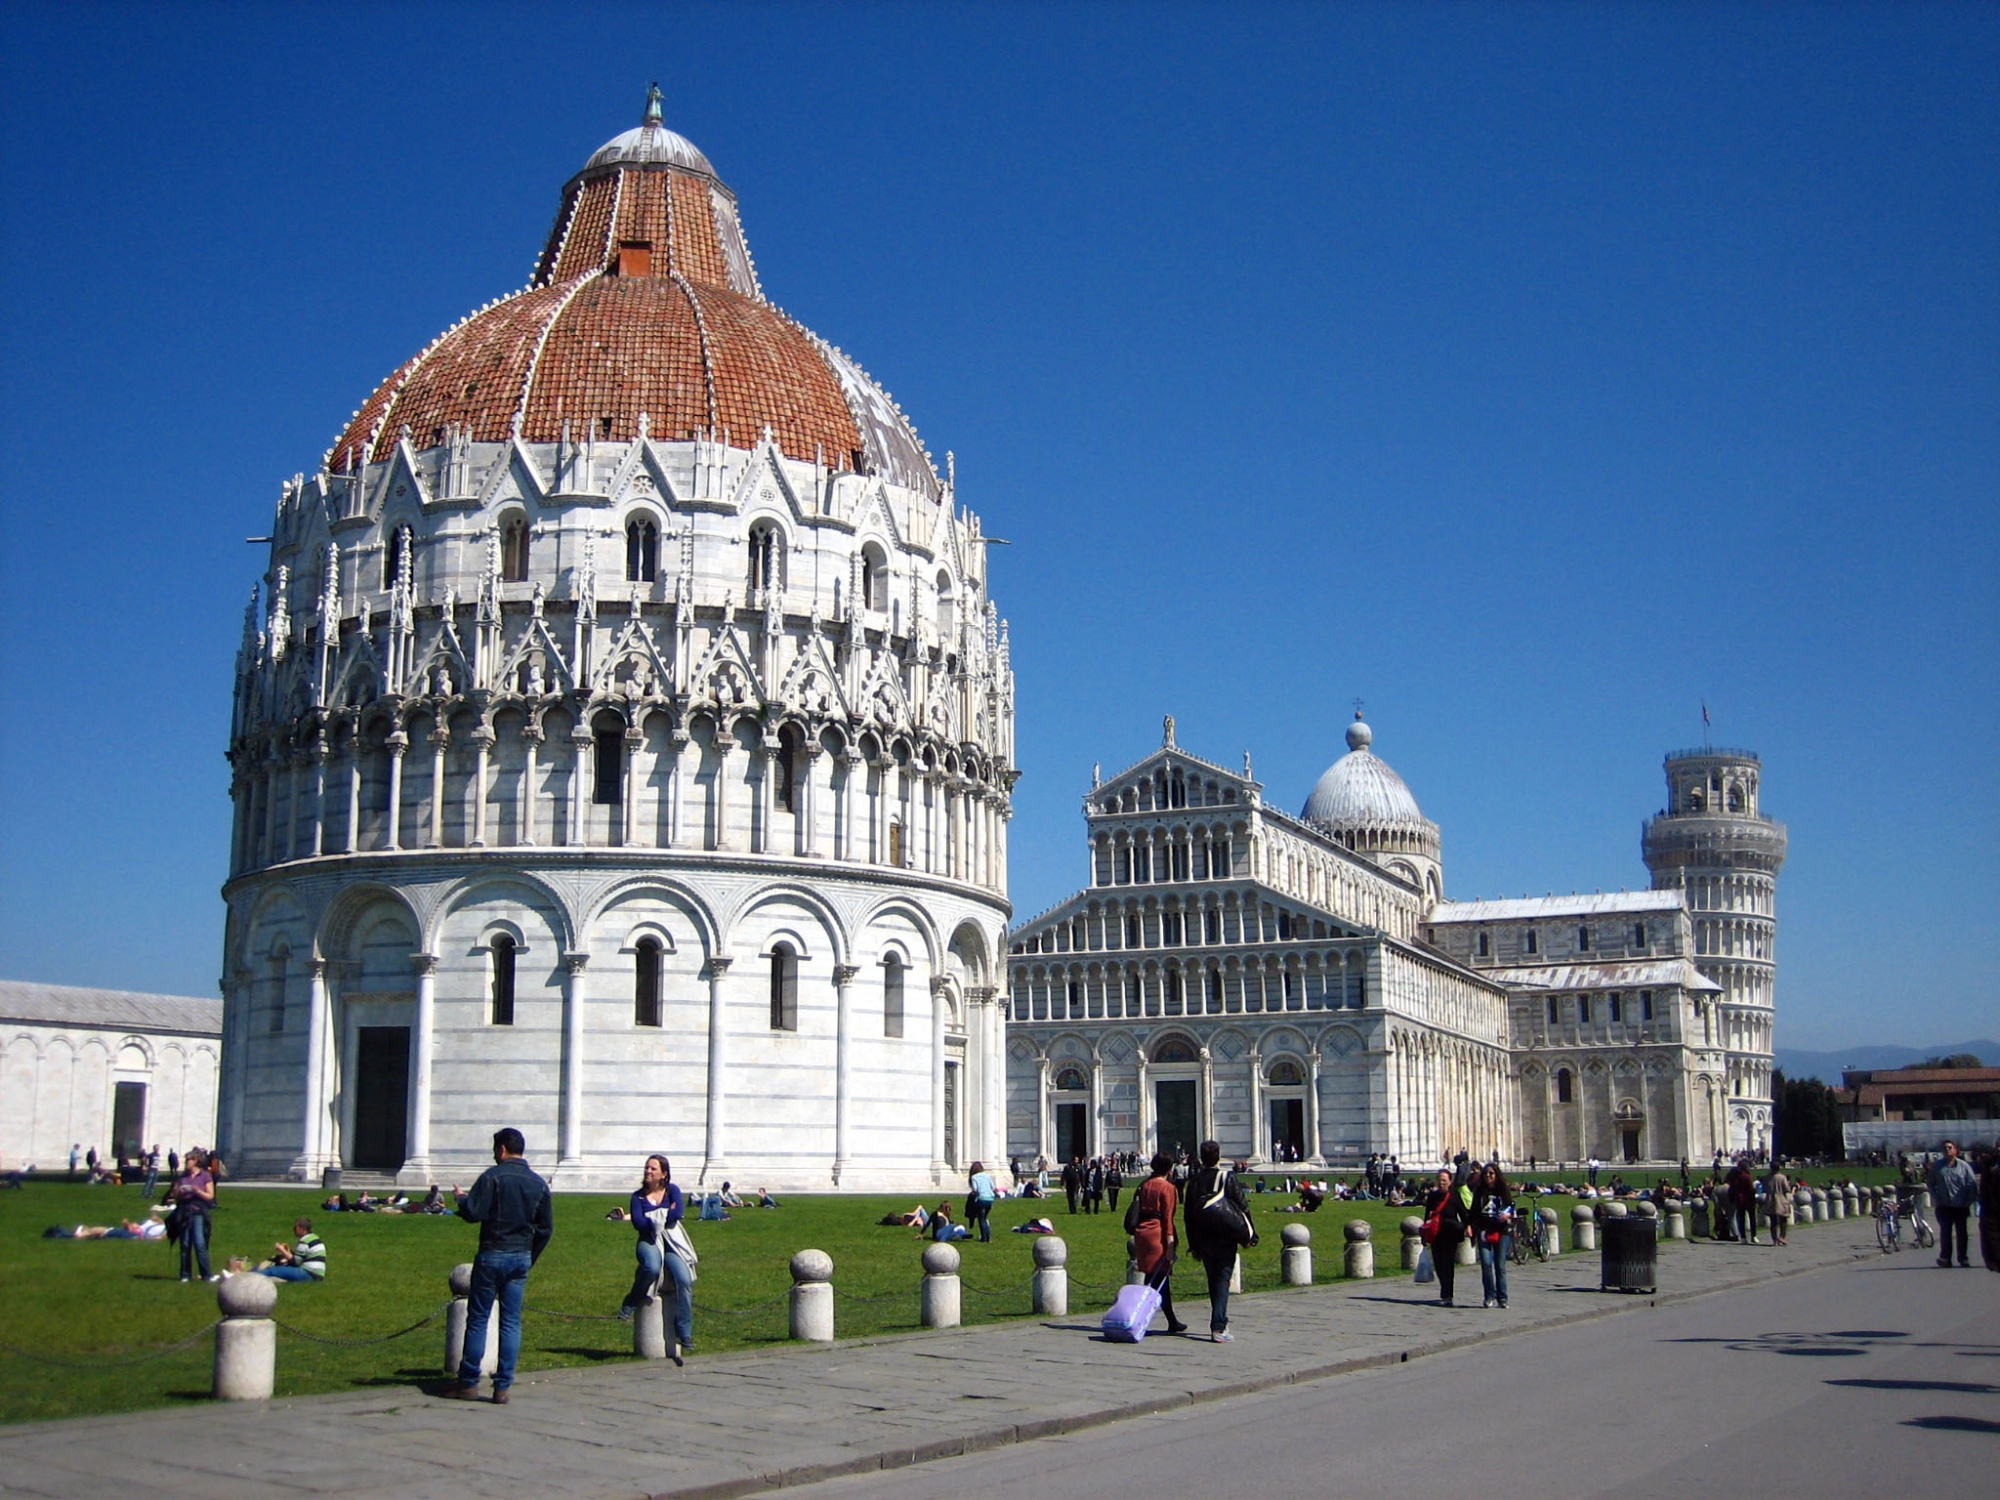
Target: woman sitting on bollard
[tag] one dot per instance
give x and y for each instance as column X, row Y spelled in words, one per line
column 1493, row 1223
column 656, row 1208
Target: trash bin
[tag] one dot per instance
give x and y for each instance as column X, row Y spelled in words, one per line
column 1631, row 1254
column 329, row 1180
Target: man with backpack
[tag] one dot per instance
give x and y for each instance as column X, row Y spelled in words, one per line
column 1218, row 1224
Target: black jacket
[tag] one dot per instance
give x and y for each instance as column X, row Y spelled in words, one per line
column 1200, row 1188
column 510, row 1204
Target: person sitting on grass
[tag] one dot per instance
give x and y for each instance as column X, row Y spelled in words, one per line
column 433, row 1202
column 730, row 1199
column 304, row 1260
column 764, row 1198
column 1310, row 1198
column 942, row 1229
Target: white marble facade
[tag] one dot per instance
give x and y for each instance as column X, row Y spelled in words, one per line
column 103, row 1069
column 622, row 751
column 1300, row 988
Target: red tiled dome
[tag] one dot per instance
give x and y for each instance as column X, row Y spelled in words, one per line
column 645, row 300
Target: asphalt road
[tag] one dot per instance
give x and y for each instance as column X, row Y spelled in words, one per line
column 1876, row 1378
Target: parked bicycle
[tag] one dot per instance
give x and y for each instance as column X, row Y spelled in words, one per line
column 1888, row 1227
column 1531, row 1235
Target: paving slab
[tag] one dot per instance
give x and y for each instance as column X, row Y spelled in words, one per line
column 743, row 1424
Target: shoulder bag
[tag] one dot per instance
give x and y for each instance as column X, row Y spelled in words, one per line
column 677, row 1240
column 1223, row 1220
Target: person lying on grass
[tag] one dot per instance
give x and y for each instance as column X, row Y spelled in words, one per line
column 126, row 1229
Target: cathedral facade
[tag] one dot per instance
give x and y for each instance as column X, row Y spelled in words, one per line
column 622, row 746
column 1298, row 988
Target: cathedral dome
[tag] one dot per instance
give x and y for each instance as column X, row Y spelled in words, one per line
column 644, row 307
column 1360, row 790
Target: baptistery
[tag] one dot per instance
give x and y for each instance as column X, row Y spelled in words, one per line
column 622, row 746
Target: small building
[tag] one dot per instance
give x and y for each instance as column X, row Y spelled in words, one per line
column 1879, row 1095
column 108, row 1069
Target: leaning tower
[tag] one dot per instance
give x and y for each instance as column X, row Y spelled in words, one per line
column 1714, row 846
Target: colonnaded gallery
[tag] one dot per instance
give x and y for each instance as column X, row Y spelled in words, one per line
column 1299, row 989
column 622, row 746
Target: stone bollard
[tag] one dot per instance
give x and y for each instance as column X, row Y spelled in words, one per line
column 1467, row 1253
column 1050, row 1287
column 1295, row 1261
column 246, row 1340
column 1551, row 1218
column 1413, row 1241
column 649, row 1327
column 812, row 1296
column 1698, row 1218
column 1852, row 1200
column 1583, row 1227
column 1676, row 1222
column 1819, row 1205
column 1360, row 1253
column 1836, row 1205
column 1613, row 1210
column 1648, row 1209
column 937, row 1303
column 454, row 1325
column 1802, row 1206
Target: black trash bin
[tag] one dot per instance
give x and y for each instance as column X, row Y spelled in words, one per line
column 1631, row 1251
column 329, row 1180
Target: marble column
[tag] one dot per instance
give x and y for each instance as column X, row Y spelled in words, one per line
column 1315, row 1144
column 938, row 990
column 524, row 819
column 440, row 742
column 808, row 800
column 482, row 744
column 574, row 815
column 1042, row 1108
column 396, row 745
column 1259, row 1147
column 571, row 1152
column 312, row 1145
column 844, row 976
column 852, row 766
column 417, row 1153
column 715, row 1159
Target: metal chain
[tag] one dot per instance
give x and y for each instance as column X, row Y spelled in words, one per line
column 111, row 1364
column 550, row 1312
column 340, row 1343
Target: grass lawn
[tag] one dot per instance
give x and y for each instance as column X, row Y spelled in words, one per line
column 97, row 1302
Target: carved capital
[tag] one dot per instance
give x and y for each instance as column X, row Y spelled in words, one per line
column 845, row 974
column 718, row 965
column 574, row 963
column 319, row 966
column 424, row 963
column 940, row 986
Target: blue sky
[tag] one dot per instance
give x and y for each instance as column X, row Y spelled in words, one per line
column 1534, row 373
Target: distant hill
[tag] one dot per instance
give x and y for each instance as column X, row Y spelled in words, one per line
column 1826, row 1066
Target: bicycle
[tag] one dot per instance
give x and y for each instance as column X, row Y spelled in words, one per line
column 1920, row 1228
column 1888, row 1227
column 1531, row 1235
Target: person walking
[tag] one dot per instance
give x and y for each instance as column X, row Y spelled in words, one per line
column 1447, row 1214
column 1954, row 1187
column 655, row 1209
column 1742, row 1190
column 1778, row 1195
column 1114, row 1181
column 510, row 1204
column 1212, row 1194
column 193, row 1197
column 1072, row 1180
column 979, row 1199
column 1149, row 1219
column 1093, row 1185
column 1493, row 1224
column 152, row 1172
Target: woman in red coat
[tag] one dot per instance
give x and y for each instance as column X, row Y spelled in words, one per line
column 1150, row 1221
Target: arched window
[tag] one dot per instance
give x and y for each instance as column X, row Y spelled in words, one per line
column 1529, row 941
column 1285, row 1071
column 1174, row 1050
column 1485, row 946
column 947, row 614
column 892, row 996
column 1071, row 1081
column 1638, row 934
column 1583, row 940
column 895, row 843
column 646, row 983
column 279, row 960
column 784, row 988
column 393, row 555
column 875, row 578
column 1555, row 1010
column 500, row 965
column 1565, row 1086
column 514, row 549
column 785, row 794
column 766, row 554
column 642, row 550
column 609, row 764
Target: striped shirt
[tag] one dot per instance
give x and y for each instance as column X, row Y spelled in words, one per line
column 309, row 1255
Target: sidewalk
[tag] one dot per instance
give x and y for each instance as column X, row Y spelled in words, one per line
column 744, row 1423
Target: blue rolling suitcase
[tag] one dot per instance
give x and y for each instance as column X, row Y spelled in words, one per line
column 1130, row 1315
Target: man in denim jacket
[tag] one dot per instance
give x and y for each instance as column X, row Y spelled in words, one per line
column 510, row 1204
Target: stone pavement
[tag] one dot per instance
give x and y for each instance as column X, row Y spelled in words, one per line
column 742, row 1423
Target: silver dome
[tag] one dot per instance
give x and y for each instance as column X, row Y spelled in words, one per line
column 650, row 141
column 1361, row 791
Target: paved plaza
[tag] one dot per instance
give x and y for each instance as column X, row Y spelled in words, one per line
column 739, row 1424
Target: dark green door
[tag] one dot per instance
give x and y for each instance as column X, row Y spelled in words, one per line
column 1176, row 1117
column 381, row 1098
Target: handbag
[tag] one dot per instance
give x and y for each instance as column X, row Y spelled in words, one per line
column 1224, row 1220
column 1429, row 1233
column 1133, row 1218
column 679, row 1243
column 1426, row 1267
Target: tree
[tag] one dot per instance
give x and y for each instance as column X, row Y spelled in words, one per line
column 1956, row 1060
column 1808, row 1118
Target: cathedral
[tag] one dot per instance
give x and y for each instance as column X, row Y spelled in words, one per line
column 1299, row 989
column 622, row 746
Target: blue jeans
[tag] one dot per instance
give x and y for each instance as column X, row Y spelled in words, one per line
column 1219, row 1264
column 656, row 1266
column 194, row 1243
column 286, row 1273
column 496, row 1275
column 982, row 1210
column 1493, row 1267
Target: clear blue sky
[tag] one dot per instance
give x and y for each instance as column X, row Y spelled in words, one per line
column 1532, row 372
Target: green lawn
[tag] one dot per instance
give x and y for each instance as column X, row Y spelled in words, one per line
column 97, row 1302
